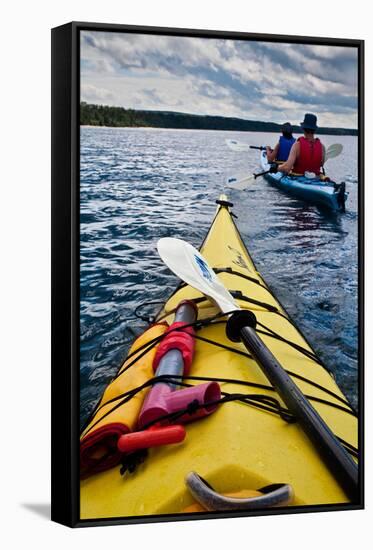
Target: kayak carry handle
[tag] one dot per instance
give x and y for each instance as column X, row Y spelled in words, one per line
column 241, row 327
column 279, row 494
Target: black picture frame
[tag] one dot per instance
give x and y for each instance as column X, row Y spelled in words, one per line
column 65, row 266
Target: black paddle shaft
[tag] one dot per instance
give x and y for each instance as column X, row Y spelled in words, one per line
column 256, row 147
column 261, row 174
column 335, row 455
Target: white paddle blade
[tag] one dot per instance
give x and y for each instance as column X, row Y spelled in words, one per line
column 333, row 151
column 191, row 267
column 237, row 145
column 240, row 182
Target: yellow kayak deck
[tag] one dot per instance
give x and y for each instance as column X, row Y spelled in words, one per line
column 239, row 447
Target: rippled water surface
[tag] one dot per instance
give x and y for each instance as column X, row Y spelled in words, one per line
column 138, row 185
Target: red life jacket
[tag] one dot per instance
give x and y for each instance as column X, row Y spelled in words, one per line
column 310, row 156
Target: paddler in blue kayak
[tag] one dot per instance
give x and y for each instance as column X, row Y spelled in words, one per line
column 282, row 149
column 307, row 153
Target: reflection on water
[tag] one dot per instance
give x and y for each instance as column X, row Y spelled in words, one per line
column 138, row 185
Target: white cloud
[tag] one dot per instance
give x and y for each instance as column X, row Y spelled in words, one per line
column 90, row 92
column 220, row 77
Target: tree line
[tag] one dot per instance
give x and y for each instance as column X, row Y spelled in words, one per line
column 105, row 115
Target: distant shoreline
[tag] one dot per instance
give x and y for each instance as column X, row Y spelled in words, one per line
column 154, row 128
column 118, row 117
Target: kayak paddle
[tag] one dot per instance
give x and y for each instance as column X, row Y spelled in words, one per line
column 190, row 266
column 333, row 151
column 241, row 182
column 235, row 145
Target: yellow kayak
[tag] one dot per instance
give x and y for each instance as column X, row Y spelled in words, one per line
column 248, row 447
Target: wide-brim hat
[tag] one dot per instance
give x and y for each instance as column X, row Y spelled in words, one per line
column 309, row 122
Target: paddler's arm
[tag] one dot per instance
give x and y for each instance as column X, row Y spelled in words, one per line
column 293, row 155
column 272, row 153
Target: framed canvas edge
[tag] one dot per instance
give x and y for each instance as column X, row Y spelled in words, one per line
column 206, row 33
column 65, row 274
column 66, row 266
column 361, row 268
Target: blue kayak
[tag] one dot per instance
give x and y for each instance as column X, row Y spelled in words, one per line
column 328, row 194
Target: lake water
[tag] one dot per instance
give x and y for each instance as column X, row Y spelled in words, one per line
column 138, row 185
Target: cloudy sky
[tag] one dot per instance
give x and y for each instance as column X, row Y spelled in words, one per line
column 253, row 80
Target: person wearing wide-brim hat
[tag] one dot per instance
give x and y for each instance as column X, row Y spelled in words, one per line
column 282, row 149
column 307, row 154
